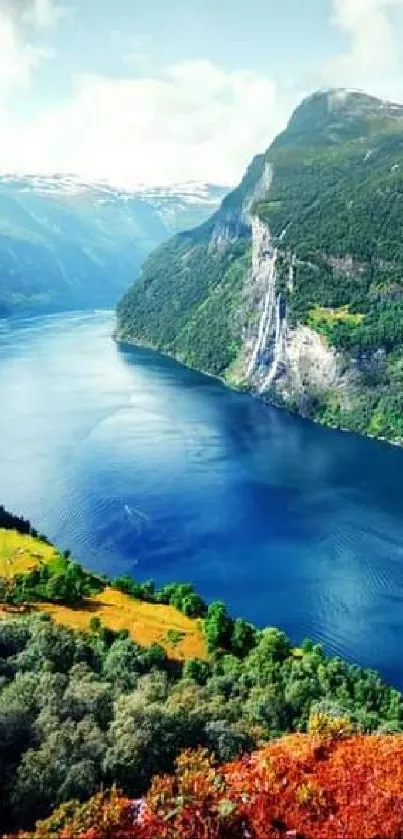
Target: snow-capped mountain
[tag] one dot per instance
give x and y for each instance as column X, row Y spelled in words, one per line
column 66, row 241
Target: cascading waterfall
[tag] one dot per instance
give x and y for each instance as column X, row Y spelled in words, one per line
column 291, row 273
column 271, row 324
column 267, row 313
column 281, row 326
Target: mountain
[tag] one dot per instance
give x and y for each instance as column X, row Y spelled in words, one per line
column 183, row 206
column 66, row 243
column 294, row 287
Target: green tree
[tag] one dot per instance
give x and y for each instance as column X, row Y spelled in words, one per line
column 218, row 626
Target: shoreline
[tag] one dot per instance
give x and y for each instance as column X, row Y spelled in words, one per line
column 249, row 391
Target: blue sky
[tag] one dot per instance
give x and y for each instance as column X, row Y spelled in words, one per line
column 159, row 92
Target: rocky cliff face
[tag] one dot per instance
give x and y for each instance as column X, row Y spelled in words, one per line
column 278, row 360
column 294, row 288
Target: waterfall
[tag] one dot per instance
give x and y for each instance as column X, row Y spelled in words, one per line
column 264, row 265
column 281, row 326
column 272, row 324
column 291, row 273
column 267, row 322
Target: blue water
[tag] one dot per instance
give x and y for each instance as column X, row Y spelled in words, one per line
column 139, row 465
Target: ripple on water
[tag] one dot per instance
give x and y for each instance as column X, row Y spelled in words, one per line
column 141, row 466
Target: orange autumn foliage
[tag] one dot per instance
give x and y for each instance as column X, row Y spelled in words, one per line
column 304, row 785
column 107, row 815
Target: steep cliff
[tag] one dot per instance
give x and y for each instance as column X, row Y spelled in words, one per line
column 291, row 363
column 294, row 288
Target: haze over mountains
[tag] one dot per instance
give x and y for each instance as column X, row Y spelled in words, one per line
column 69, row 243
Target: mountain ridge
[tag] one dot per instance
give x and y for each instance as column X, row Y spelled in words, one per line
column 293, row 288
column 67, row 243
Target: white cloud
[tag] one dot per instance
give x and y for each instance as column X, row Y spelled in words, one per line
column 194, row 120
column 42, row 14
column 19, row 58
column 375, row 43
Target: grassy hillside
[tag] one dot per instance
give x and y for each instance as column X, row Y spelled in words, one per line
column 20, row 553
column 105, row 684
column 147, row 623
column 330, row 190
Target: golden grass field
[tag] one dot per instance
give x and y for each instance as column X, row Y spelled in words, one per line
column 19, row 554
column 147, row 623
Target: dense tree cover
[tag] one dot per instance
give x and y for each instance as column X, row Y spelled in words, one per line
column 187, row 300
column 337, row 194
column 343, row 213
column 85, row 710
column 78, row 710
column 185, row 303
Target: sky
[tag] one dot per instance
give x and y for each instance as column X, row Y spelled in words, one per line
column 155, row 92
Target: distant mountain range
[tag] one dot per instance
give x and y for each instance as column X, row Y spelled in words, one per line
column 65, row 242
column 294, row 287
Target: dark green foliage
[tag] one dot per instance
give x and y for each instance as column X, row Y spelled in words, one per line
column 78, row 710
column 218, row 627
column 82, row 710
column 243, row 638
column 185, row 303
column 11, row 522
column 63, row 581
column 180, row 595
column 184, row 598
column 343, row 213
column 128, row 586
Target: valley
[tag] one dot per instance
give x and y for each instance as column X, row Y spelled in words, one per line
column 67, row 243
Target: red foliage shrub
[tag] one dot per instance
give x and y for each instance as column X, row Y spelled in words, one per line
column 304, row 786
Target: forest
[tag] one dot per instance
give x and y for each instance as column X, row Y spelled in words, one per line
column 82, row 711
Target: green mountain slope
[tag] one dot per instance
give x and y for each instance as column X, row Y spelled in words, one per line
column 294, row 287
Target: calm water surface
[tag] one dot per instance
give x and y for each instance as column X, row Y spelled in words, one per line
column 139, row 465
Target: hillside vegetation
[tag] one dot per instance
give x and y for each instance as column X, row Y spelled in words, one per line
column 147, row 623
column 324, row 785
column 330, row 191
column 20, row 553
column 105, row 685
